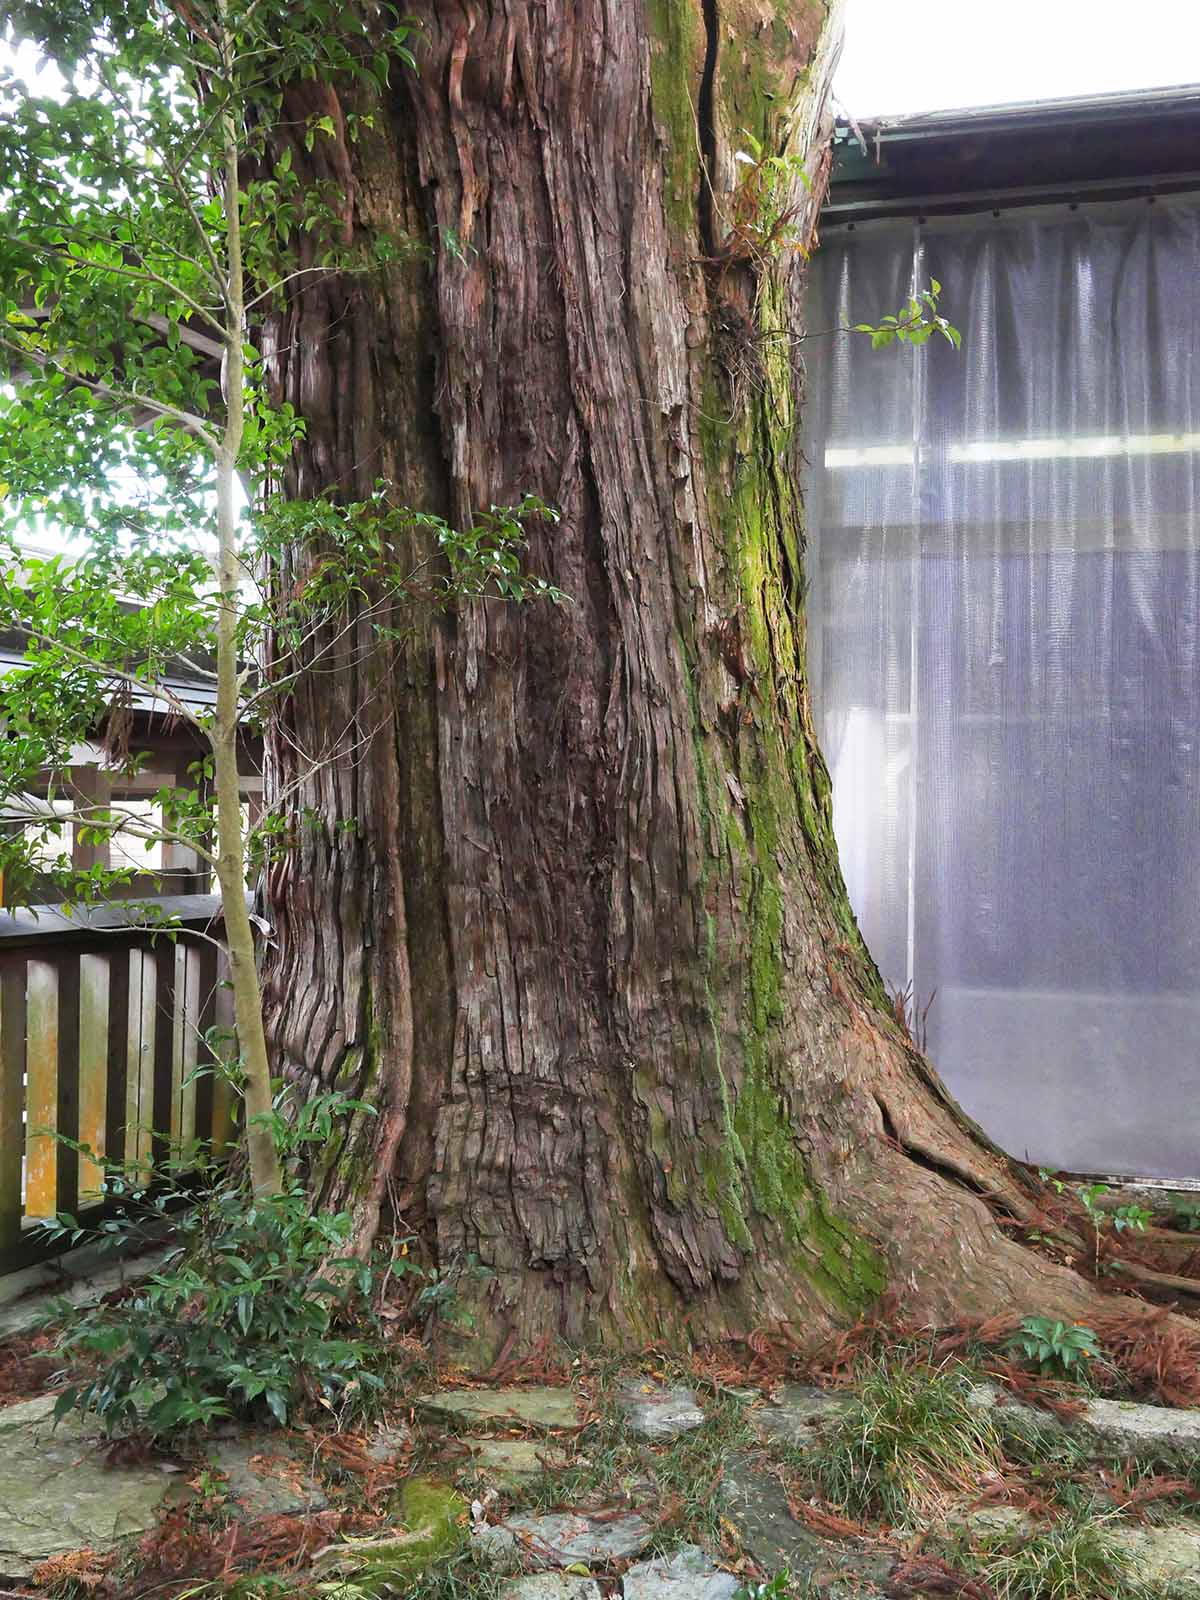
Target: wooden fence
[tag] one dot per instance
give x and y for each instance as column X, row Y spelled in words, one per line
column 102, row 1028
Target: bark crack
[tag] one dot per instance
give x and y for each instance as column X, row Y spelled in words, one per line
column 943, row 1166
column 706, row 119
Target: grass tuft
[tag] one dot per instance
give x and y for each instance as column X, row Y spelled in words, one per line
column 910, row 1445
column 1075, row 1559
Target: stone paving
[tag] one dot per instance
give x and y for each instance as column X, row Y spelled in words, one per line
column 57, row 1495
column 542, row 1409
column 1119, row 1426
column 565, row 1538
column 660, row 1414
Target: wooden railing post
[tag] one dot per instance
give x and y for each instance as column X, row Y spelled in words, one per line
column 41, row 1089
column 12, row 1100
column 67, row 1084
column 139, row 1072
column 95, row 985
column 118, row 1066
column 223, row 1096
column 164, row 1096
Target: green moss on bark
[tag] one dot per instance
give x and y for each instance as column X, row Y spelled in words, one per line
column 759, row 1173
column 755, row 768
column 764, row 68
column 677, row 55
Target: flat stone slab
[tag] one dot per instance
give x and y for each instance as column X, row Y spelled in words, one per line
column 798, row 1413
column 496, row 1408
column 1122, row 1422
column 658, row 1413
column 385, row 1444
column 516, row 1460
column 1122, row 1425
column 756, row 1505
column 1167, row 1555
column 57, row 1495
column 551, row 1586
column 562, row 1538
column 1004, row 1520
column 688, row 1574
column 266, row 1478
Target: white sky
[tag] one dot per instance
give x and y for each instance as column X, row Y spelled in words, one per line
column 937, row 55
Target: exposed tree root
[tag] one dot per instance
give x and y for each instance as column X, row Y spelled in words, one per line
column 1171, row 1282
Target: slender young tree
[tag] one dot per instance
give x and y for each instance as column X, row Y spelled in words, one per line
column 106, row 249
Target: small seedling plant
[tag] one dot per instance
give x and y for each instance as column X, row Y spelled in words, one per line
column 1056, row 1348
column 1120, row 1219
column 781, row 1586
column 1128, row 1218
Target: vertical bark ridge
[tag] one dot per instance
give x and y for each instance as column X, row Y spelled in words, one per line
column 353, row 900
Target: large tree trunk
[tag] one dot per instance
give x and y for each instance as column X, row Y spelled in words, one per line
column 569, row 913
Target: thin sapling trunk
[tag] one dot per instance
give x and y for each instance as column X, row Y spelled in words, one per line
column 247, row 997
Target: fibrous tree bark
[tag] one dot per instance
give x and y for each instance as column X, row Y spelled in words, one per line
column 571, row 916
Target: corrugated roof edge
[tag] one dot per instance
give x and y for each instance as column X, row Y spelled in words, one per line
column 1141, row 142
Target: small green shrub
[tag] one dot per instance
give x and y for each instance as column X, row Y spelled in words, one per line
column 910, row 1444
column 255, row 1315
column 1055, row 1347
column 1128, row 1217
column 1135, row 1217
column 258, row 1312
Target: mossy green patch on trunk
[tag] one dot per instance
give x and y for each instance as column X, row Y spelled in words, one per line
column 758, row 1174
column 676, row 61
column 764, row 68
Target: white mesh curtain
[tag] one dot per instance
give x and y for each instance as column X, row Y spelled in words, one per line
column 1005, row 651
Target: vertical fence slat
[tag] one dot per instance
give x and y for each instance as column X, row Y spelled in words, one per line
column 41, row 1089
column 95, row 980
column 178, row 1046
column 206, row 1019
column 222, row 1119
column 67, row 1117
column 117, row 1052
column 187, row 1009
column 139, row 1081
column 12, row 1100
column 163, row 957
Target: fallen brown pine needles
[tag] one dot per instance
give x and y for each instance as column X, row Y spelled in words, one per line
column 1155, row 1353
column 927, row 1575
